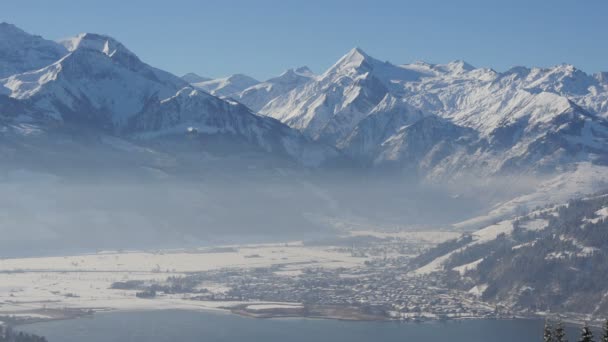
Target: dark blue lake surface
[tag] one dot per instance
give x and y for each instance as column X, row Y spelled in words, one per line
column 188, row 326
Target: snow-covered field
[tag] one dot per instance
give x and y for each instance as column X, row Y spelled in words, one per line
column 83, row 281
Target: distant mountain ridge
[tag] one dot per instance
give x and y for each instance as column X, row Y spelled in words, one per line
column 523, row 120
column 434, row 121
column 103, row 86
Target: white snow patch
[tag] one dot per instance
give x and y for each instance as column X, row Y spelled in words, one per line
column 535, row 225
column 600, row 215
column 468, row 267
column 478, row 290
column 492, row 232
column 272, row 306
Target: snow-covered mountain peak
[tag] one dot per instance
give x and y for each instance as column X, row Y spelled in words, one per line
column 297, row 72
column 565, row 67
column 305, row 71
column 457, row 66
column 258, row 95
column 562, row 79
column 289, row 76
column 99, row 82
column 92, row 41
column 518, row 70
column 355, row 59
column 241, row 78
column 355, row 54
column 358, row 64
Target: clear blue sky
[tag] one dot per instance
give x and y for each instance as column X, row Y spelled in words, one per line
column 263, row 37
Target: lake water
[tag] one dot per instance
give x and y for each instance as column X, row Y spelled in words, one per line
column 188, row 326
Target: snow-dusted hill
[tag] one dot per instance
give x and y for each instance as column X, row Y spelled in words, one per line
column 550, row 259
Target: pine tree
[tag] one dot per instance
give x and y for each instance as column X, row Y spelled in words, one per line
column 605, row 336
column 547, row 335
column 560, row 333
column 586, row 334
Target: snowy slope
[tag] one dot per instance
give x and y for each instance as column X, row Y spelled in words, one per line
column 20, row 51
column 256, row 96
column 227, row 86
column 552, row 258
column 195, row 111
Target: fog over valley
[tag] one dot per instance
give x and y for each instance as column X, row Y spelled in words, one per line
column 366, row 193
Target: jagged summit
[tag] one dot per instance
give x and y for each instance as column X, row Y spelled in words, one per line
column 241, row 78
column 295, row 72
column 356, row 58
column 357, row 52
column 304, row 70
column 98, row 42
column 291, row 74
column 459, row 66
column 518, row 70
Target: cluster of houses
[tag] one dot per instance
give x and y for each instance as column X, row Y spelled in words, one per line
column 380, row 291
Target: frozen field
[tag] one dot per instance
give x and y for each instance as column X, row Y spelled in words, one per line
column 31, row 284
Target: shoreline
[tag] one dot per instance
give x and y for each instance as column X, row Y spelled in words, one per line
column 338, row 313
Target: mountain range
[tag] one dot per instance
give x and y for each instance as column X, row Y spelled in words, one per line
column 442, row 121
column 432, row 121
column 98, row 85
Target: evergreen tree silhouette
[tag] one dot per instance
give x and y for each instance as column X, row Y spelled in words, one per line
column 560, row 333
column 586, row 334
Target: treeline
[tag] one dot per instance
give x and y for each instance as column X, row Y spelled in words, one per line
column 558, row 333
